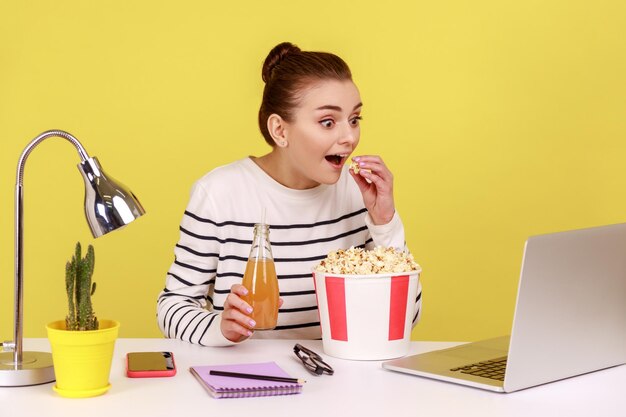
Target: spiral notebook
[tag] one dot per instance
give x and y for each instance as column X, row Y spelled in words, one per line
column 229, row 387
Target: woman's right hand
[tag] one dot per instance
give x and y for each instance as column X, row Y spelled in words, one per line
column 236, row 323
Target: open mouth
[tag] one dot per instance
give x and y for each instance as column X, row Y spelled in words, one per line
column 336, row 160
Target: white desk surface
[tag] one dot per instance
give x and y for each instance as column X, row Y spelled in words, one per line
column 358, row 388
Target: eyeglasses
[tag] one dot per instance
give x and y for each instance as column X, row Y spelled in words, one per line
column 312, row 361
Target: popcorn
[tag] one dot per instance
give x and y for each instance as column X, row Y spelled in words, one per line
column 355, row 167
column 358, row 261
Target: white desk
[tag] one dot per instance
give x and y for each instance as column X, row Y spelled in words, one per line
column 357, row 389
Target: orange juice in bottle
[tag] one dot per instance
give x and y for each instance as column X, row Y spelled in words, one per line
column 261, row 281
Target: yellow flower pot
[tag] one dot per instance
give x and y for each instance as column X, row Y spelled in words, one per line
column 82, row 359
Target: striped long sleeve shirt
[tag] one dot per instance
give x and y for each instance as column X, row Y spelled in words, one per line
column 216, row 235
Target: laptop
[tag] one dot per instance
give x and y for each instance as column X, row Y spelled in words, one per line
column 570, row 318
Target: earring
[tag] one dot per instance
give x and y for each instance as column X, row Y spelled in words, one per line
column 283, row 143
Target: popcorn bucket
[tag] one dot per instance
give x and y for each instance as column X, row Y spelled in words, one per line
column 366, row 317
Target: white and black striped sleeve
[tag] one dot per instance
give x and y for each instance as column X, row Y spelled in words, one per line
column 387, row 235
column 182, row 305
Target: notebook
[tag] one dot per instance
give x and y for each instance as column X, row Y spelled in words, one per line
column 229, row 387
column 570, row 318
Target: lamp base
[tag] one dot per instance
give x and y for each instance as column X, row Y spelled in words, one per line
column 36, row 368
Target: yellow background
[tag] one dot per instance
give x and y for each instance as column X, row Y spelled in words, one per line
column 500, row 119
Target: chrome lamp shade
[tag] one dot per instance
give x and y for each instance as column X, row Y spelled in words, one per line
column 109, row 205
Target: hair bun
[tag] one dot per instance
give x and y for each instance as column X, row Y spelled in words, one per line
column 276, row 55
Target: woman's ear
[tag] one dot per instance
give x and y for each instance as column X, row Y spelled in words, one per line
column 276, row 126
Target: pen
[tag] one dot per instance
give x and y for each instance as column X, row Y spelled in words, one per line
column 263, row 377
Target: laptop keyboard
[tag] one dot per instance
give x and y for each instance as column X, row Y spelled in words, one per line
column 493, row 369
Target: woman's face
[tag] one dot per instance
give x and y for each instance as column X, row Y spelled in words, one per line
column 323, row 133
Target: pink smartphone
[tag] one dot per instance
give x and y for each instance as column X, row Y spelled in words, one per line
column 150, row 364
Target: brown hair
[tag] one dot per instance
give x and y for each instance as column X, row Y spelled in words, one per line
column 286, row 72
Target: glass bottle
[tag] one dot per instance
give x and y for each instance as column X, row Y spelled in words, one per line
column 261, row 281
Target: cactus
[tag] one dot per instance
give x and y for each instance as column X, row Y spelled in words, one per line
column 78, row 273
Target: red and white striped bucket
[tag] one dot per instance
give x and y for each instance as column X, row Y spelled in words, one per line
column 366, row 317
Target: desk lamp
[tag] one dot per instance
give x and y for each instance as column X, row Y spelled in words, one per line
column 109, row 205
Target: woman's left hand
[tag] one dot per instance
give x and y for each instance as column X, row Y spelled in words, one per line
column 376, row 184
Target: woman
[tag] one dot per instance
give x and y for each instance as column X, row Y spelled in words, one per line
column 310, row 116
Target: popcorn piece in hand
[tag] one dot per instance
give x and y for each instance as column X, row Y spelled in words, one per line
column 358, row 261
column 355, row 167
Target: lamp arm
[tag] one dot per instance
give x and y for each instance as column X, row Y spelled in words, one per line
column 19, row 228
column 45, row 135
